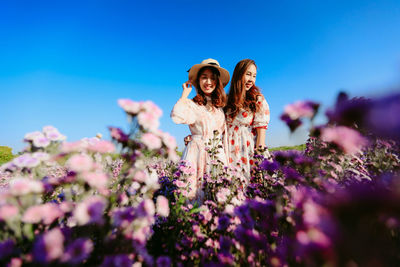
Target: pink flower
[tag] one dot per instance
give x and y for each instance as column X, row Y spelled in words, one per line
column 180, row 184
column 151, row 140
column 71, row 147
column 149, row 207
column 188, row 170
column 140, row 176
column 41, row 141
column 130, row 106
column 102, row 146
column 54, row 243
column 15, row 262
column 162, row 206
column 168, row 140
column 223, row 194
column 46, row 213
column 31, row 136
column 148, row 120
column 80, row 163
column 7, row 212
column 53, row 134
column 96, row 179
column 42, row 156
column 26, row 161
column 24, row 186
column 349, row 140
column 197, row 231
column 149, row 106
column 206, row 213
column 301, row 109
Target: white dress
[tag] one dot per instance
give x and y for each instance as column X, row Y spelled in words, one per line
column 241, row 135
column 202, row 122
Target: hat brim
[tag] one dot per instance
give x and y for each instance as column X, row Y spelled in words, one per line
column 223, row 73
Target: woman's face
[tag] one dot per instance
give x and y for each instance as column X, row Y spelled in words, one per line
column 207, row 81
column 249, row 78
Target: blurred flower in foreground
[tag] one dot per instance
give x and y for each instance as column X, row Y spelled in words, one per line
column 298, row 110
column 349, row 140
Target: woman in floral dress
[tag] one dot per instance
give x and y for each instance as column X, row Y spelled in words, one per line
column 247, row 116
column 204, row 115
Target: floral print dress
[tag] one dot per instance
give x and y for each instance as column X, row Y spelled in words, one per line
column 242, row 133
column 202, row 121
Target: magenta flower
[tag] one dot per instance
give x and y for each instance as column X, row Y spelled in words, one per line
column 349, row 140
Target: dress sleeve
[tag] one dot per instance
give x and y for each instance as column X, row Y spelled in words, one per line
column 184, row 112
column 261, row 118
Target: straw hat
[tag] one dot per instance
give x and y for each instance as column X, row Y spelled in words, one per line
column 223, row 73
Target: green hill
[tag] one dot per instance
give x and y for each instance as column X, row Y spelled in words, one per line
column 5, row 154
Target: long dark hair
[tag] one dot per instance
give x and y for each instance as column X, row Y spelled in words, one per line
column 218, row 96
column 238, row 97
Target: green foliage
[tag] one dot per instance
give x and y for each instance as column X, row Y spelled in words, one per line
column 5, row 154
column 283, row 148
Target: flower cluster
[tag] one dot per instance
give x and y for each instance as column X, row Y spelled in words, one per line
column 124, row 203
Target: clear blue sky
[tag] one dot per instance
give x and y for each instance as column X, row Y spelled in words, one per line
column 65, row 63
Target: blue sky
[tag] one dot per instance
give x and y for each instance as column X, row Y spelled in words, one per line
column 66, row 63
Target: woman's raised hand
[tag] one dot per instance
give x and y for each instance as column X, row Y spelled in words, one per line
column 187, row 88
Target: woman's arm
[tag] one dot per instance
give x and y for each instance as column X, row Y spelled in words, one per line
column 260, row 141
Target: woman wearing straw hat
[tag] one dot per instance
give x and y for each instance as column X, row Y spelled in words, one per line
column 204, row 115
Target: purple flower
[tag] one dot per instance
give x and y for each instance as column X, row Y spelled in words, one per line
column 349, row 112
column 223, row 223
column 122, row 217
column 78, row 251
column 117, row 261
column 291, row 174
column 49, row 246
column 6, row 248
column 383, row 118
column 91, row 210
column 118, row 135
column 269, row 166
column 292, row 124
column 164, row 261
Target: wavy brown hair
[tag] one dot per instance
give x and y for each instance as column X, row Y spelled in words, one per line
column 238, row 97
column 218, row 96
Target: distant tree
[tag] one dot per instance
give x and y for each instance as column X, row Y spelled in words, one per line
column 5, row 154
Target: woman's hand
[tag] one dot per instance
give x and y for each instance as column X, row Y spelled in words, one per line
column 187, row 88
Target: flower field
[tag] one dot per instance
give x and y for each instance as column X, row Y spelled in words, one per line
column 124, row 202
